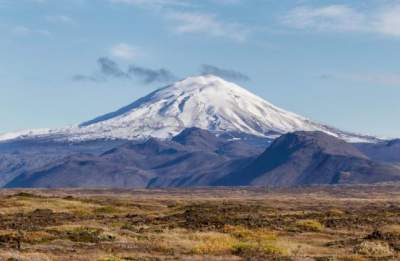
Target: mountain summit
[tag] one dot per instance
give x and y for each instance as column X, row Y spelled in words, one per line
column 207, row 102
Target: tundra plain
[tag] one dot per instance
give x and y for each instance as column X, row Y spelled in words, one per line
column 351, row 223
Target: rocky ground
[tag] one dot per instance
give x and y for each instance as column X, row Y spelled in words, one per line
column 321, row 223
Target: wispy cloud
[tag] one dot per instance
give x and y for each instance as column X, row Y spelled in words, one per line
column 153, row 3
column 227, row 2
column 333, row 17
column 38, row 1
column 187, row 22
column 388, row 21
column 224, row 73
column 110, row 69
column 343, row 18
column 380, row 78
column 173, row 3
column 4, row 3
column 124, row 51
column 64, row 19
column 150, row 75
column 26, row 31
column 87, row 78
column 186, row 18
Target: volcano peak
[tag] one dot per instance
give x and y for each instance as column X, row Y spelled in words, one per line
column 207, row 102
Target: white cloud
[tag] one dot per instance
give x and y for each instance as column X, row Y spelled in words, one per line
column 207, row 24
column 124, row 51
column 342, row 18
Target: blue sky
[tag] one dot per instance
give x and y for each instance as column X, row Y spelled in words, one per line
column 67, row 61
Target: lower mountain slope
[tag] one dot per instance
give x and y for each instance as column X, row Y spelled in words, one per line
column 195, row 157
column 385, row 151
column 308, row 158
column 83, row 171
column 22, row 156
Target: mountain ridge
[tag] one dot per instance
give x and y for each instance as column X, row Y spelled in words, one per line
column 310, row 158
column 191, row 159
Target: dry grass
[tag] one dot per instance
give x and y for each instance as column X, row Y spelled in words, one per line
column 245, row 234
column 213, row 243
column 309, row 225
column 391, row 230
column 373, row 249
column 352, row 258
column 26, row 204
column 344, row 224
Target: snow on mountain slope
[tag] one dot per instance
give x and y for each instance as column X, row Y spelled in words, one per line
column 205, row 102
column 24, row 133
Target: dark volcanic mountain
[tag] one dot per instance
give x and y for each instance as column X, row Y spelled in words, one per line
column 306, row 158
column 18, row 157
column 198, row 139
column 195, row 157
column 386, row 151
column 83, row 171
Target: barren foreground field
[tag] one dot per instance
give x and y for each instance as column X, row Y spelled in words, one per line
column 349, row 224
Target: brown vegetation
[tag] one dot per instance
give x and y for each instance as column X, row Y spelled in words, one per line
column 345, row 224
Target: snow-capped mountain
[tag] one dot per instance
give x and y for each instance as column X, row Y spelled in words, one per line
column 206, row 102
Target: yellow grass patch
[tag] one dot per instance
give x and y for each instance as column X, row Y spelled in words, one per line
column 373, row 249
column 246, row 234
column 213, row 243
column 27, row 204
column 309, row 225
